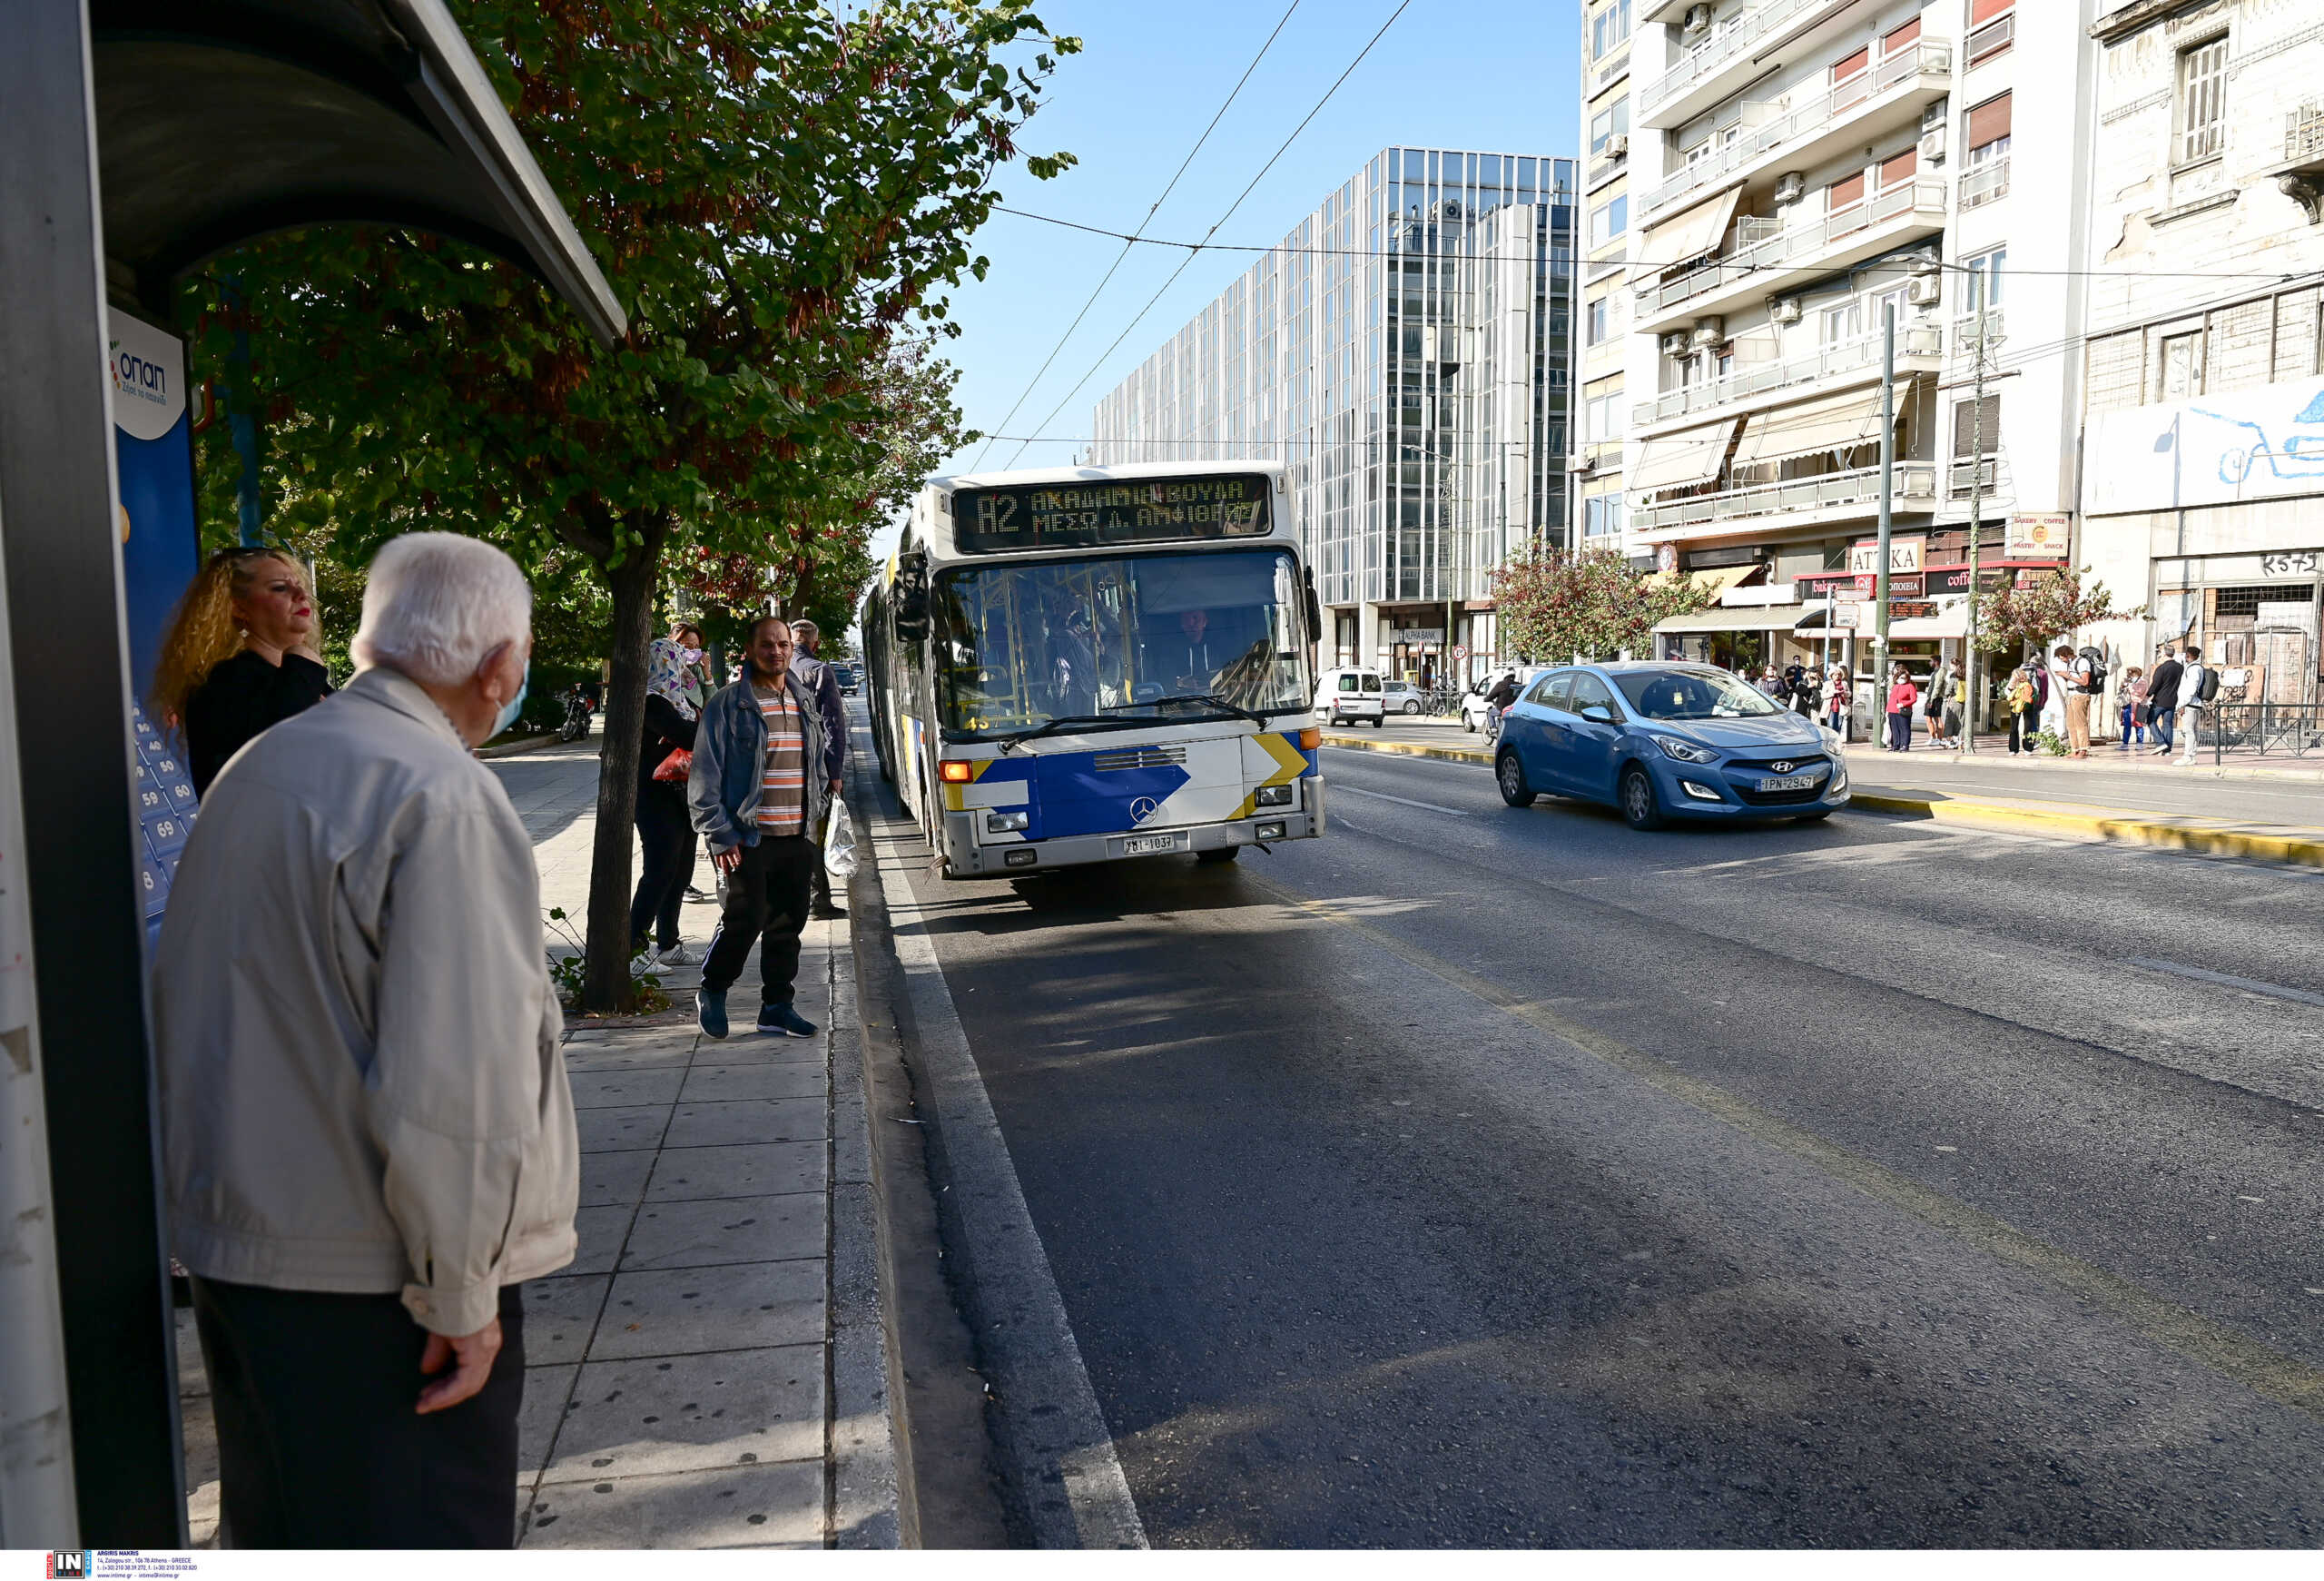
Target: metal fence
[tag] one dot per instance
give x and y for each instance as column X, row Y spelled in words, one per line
column 2265, row 729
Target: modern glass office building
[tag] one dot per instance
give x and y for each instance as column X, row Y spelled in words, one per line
column 1403, row 351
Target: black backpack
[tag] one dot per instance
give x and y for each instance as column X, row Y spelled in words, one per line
column 2096, row 660
column 2210, row 688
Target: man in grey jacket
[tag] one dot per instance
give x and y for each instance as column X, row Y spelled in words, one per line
column 759, row 791
column 369, row 1133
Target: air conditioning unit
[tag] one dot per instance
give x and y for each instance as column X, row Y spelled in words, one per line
column 1933, row 146
column 1925, row 291
column 1674, row 344
column 1790, row 187
column 1710, row 332
column 1618, row 146
column 1784, row 309
column 1698, row 18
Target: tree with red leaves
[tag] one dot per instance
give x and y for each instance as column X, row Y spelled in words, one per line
column 1551, row 604
column 778, row 191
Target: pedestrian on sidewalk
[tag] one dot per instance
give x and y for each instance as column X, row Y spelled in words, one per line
column 665, row 824
column 1837, row 687
column 1947, row 724
column 807, row 637
column 2078, row 682
column 2163, row 697
column 2194, row 676
column 2133, row 707
column 1902, row 695
column 2024, row 707
column 699, row 685
column 239, row 656
column 2053, row 681
column 368, row 1133
column 759, row 795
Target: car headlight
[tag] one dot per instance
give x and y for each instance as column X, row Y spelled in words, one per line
column 1832, row 742
column 1272, row 796
column 1004, row 823
column 1685, row 751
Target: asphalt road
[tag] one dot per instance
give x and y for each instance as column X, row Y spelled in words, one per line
column 1481, row 1177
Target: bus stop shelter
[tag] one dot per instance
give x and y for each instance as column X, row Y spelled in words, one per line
column 138, row 140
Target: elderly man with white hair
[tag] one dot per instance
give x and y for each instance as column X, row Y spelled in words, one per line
column 368, row 1132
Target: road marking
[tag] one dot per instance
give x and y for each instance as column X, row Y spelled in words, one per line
column 1404, row 801
column 1037, row 1363
column 2225, row 980
column 1407, row 761
column 2264, row 1371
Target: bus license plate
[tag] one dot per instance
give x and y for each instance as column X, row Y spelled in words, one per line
column 1147, row 844
column 1789, row 782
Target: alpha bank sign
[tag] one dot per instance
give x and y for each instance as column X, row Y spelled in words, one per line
column 2266, row 443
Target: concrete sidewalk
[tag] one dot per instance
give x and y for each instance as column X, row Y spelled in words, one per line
column 709, row 1372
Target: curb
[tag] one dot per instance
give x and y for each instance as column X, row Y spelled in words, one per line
column 2161, row 830
column 511, row 748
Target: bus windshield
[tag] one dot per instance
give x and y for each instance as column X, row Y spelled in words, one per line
column 1118, row 638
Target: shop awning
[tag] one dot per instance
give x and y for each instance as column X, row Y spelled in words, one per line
column 1768, row 617
column 1679, row 460
column 1686, row 236
column 1951, row 622
column 1834, row 422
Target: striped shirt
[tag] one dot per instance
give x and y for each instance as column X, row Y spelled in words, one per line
column 782, row 792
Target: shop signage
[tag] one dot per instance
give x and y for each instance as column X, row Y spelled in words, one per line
column 2039, row 536
column 1848, row 616
column 2301, row 564
column 1904, row 586
column 2266, row 442
column 1416, row 633
column 1867, row 585
column 1904, row 555
column 1903, row 609
column 1956, row 579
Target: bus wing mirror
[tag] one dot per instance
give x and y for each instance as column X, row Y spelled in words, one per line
column 910, row 605
column 1314, row 607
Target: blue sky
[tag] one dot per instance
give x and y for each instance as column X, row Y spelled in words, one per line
column 1491, row 74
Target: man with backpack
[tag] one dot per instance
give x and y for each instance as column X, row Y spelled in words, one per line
column 2082, row 678
column 2198, row 688
column 2162, row 698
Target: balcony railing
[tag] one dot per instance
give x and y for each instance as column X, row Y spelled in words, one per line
column 1992, row 39
column 1846, row 357
column 2304, row 134
column 1985, row 477
column 1762, row 245
column 1726, row 43
column 1908, row 66
column 1985, row 183
column 1914, row 487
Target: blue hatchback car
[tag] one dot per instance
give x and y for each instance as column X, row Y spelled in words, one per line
column 1664, row 741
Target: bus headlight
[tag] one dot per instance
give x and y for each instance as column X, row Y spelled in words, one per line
column 1272, row 796
column 1269, row 831
column 1004, row 823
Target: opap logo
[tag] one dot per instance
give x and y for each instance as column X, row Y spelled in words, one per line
column 136, row 375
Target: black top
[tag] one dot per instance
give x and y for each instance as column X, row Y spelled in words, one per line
column 238, row 700
column 666, row 731
column 2162, row 687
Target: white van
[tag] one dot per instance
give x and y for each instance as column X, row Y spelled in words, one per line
column 1349, row 696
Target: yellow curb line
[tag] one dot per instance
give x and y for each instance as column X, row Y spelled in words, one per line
column 2293, row 850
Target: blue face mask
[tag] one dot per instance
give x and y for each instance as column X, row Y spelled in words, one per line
column 514, row 706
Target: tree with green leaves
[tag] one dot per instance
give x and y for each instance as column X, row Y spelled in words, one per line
column 1551, row 604
column 2053, row 606
column 778, row 192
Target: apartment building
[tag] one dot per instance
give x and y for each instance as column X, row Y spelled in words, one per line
column 2202, row 486
column 1763, row 181
column 1404, row 352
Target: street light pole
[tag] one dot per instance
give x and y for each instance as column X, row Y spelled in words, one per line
column 1887, row 486
column 1970, row 662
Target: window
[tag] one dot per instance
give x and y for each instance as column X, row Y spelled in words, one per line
column 1901, row 38
column 2182, row 365
column 1988, row 131
column 1600, row 416
column 2202, row 101
column 1551, row 691
column 1977, row 428
column 1600, row 322
column 1609, row 29
column 1842, row 323
column 1852, row 66
column 1614, row 121
column 1590, row 692
column 1899, row 170
column 1601, row 515
column 1844, row 194
column 1981, row 280
column 1609, row 221
column 1992, row 27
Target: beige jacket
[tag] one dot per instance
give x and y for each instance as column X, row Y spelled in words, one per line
column 362, row 1087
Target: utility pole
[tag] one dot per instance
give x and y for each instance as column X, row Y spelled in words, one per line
column 1972, row 692
column 1888, row 488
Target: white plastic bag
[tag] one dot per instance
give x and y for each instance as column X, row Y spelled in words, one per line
column 838, row 843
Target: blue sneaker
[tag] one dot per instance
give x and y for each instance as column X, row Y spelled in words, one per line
column 784, row 1022
column 711, row 1011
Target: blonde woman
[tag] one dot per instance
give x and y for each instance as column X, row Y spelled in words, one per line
column 239, row 656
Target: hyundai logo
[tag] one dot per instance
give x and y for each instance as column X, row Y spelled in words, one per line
column 1782, row 765
column 1143, row 808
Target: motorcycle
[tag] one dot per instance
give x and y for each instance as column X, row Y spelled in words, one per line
column 579, row 716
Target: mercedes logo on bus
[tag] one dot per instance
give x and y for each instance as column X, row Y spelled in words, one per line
column 1143, row 808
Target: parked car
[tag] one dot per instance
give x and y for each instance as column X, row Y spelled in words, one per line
column 850, row 678
column 1345, row 697
column 1664, row 741
column 1403, row 697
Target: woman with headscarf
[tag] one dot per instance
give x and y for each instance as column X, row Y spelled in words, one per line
column 239, row 656
column 664, row 828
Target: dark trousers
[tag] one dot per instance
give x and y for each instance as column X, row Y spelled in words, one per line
column 2023, row 726
column 665, row 831
column 1900, row 732
column 318, row 1443
column 765, row 898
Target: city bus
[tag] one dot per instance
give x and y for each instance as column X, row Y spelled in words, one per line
column 1088, row 664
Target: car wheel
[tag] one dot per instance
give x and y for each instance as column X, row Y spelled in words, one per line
column 1412, row 707
column 1641, row 807
column 1219, row 853
column 1818, row 816
column 1509, row 775
column 1468, row 724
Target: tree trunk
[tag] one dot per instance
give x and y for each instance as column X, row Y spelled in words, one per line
column 607, row 990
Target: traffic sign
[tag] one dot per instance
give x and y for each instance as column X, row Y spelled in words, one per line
column 1460, row 653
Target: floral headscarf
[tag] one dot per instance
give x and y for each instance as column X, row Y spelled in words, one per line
column 671, row 675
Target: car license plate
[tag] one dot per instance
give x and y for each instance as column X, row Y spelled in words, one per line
column 1147, row 844
column 1789, row 782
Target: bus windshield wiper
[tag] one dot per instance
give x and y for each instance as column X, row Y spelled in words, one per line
column 1212, row 699
column 1051, row 726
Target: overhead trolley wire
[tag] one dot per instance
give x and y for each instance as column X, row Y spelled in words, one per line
column 1196, row 249
column 1152, row 210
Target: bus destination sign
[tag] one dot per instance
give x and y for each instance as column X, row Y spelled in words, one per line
column 1057, row 516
